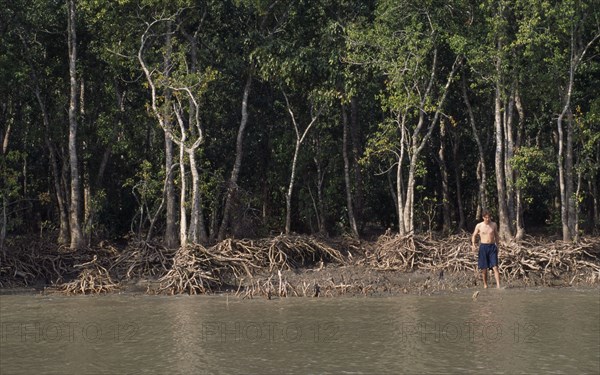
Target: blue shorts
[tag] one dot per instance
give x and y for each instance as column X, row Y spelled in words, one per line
column 488, row 255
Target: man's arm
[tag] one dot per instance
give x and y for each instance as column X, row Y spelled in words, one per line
column 496, row 238
column 474, row 237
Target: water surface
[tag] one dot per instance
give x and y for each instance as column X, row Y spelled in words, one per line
column 502, row 331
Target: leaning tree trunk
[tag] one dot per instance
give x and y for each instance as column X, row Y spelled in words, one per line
column 59, row 188
column 237, row 165
column 565, row 159
column 419, row 140
column 77, row 240
column 481, row 175
column 63, row 213
column 299, row 140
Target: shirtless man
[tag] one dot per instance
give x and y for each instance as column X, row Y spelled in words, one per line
column 488, row 249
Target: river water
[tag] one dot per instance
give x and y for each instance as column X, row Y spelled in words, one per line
column 507, row 331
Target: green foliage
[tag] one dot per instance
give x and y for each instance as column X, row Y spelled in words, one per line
column 372, row 56
column 147, row 189
column 535, row 171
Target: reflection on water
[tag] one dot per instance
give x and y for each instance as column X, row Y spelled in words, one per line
column 502, row 331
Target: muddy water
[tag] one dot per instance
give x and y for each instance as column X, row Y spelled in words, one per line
column 502, row 331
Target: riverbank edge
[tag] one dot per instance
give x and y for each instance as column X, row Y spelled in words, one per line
column 388, row 266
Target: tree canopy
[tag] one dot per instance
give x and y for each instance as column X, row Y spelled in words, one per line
column 247, row 118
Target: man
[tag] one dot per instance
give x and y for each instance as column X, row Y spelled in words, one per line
column 488, row 250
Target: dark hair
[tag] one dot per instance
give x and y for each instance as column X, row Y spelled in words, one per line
column 485, row 213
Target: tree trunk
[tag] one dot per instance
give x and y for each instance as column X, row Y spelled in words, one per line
column 197, row 226
column 351, row 218
column 182, row 195
column 355, row 135
column 593, row 187
column 570, row 178
column 503, row 218
column 419, row 140
column 232, row 186
column 77, row 240
column 508, row 156
column 457, row 178
column 171, row 240
column 63, row 214
column 320, row 201
column 6, row 137
column 482, row 175
column 447, row 221
column 299, row 139
column 288, row 195
column 171, row 213
column 520, row 222
column 565, row 161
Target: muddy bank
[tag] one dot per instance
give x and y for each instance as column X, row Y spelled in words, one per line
column 289, row 266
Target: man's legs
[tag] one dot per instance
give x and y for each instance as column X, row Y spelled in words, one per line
column 484, row 276
column 497, row 276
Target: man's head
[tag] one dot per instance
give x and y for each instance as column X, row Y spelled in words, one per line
column 486, row 216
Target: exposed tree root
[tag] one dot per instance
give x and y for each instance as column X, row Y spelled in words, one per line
column 93, row 279
column 189, row 274
column 516, row 260
column 258, row 268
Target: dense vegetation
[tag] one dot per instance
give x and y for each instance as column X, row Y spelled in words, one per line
column 194, row 121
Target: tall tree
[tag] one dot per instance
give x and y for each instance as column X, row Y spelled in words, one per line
column 414, row 93
column 75, row 209
column 578, row 31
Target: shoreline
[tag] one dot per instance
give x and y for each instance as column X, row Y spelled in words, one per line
column 333, row 281
column 296, row 266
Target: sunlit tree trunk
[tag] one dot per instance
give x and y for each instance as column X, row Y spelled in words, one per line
column 182, row 195
column 565, row 142
column 503, row 217
column 77, row 240
column 520, row 223
column 508, row 120
column 421, row 135
column 402, row 228
column 170, row 239
column 300, row 137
